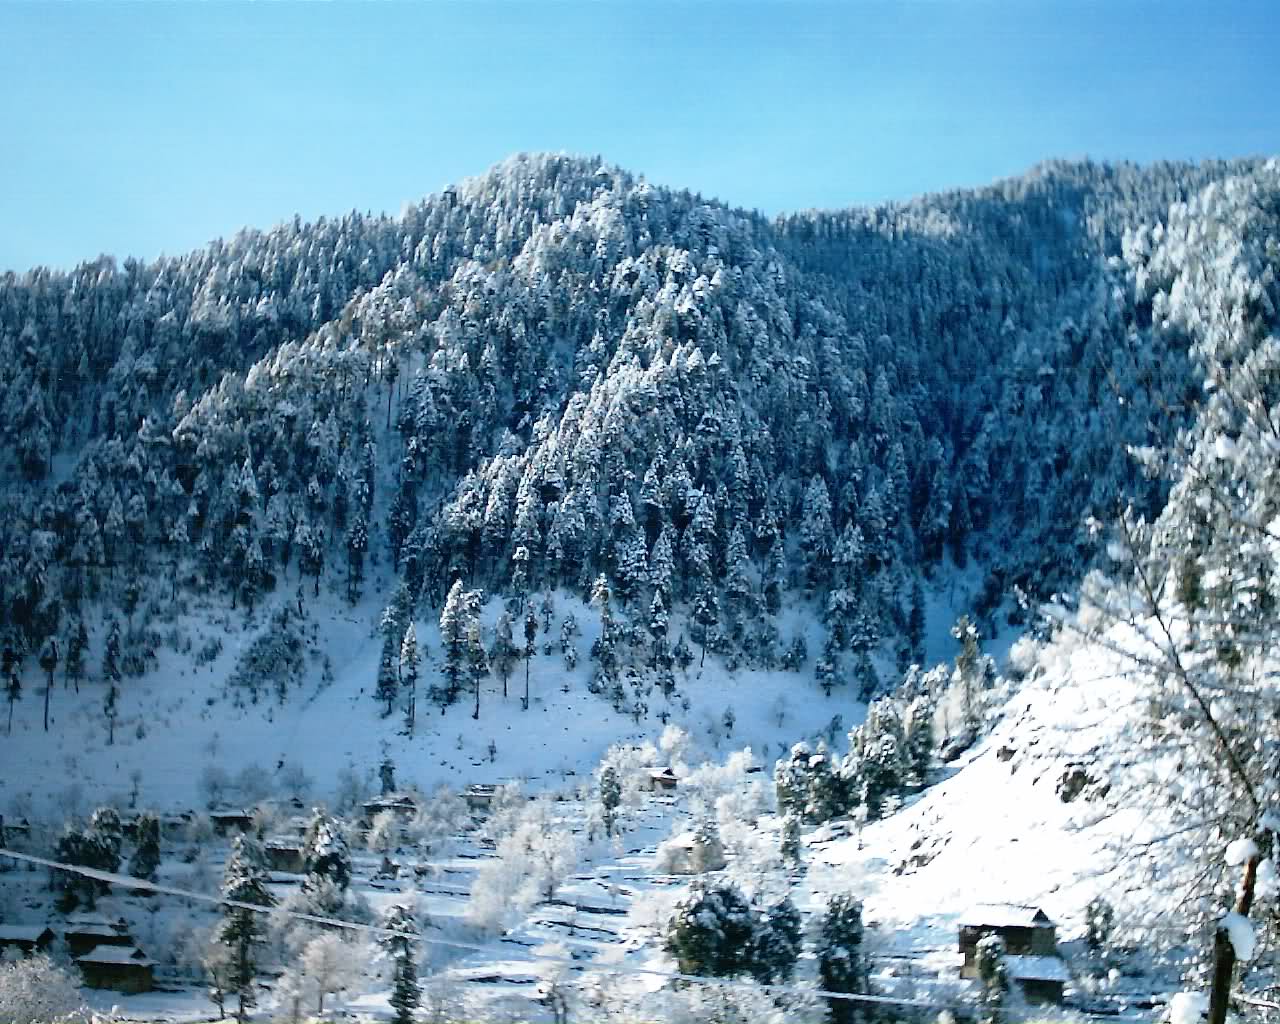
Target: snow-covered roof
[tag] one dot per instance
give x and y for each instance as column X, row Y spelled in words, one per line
column 97, row 931
column 22, row 933
column 1037, row 968
column 93, row 919
column 117, row 955
column 1006, row 915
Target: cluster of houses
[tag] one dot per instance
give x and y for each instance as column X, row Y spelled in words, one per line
column 105, row 952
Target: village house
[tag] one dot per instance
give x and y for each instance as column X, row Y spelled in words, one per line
column 227, row 821
column 690, row 853
column 1041, row 978
column 86, row 932
column 401, row 805
column 656, row 780
column 284, row 854
column 1031, row 947
column 120, row 968
column 25, row 939
column 176, row 825
column 479, row 795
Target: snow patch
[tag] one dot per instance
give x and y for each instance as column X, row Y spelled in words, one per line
column 1187, row 1008
column 1241, row 851
column 1243, row 939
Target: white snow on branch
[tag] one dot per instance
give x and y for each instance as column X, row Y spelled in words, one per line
column 1241, row 851
column 1241, row 934
column 1187, row 1008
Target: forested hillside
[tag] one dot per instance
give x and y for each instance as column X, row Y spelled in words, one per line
column 305, row 480
column 557, row 373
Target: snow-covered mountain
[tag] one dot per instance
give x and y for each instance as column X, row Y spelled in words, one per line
column 335, row 494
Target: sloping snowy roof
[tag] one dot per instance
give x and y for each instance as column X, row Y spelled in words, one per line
column 1006, row 915
column 117, row 955
column 22, row 933
column 99, row 931
column 1037, row 968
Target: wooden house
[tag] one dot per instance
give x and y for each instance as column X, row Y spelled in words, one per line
column 401, row 805
column 229, row 821
column 284, row 854
column 25, row 939
column 1026, row 931
column 85, row 933
column 659, row 780
column 1041, row 978
column 479, row 795
column 120, row 968
column 176, row 825
column 690, row 853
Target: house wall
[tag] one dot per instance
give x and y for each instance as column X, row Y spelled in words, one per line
column 125, row 978
column 1042, row 992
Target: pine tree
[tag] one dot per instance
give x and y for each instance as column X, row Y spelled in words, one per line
column 993, row 972
column 530, row 646
column 146, row 854
column 242, row 930
column 48, row 662
column 77, row 645
column 503, row 652
column 406, row 993
column 610, row 797
column 460, row 608
column 388, row 688
column 477, row 661
column 842, row 962
column 776, row 945
column 409, row 675
column 712, row 930
column 324, row 851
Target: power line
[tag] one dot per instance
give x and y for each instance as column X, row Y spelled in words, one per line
column 375, row 930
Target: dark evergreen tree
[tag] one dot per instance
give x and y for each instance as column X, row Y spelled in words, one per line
column 242, row 930
column 402, row 947
column 146, row 854
column 842, row 961
column 610, row 797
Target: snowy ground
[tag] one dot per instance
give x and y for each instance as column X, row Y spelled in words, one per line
column 991, row 828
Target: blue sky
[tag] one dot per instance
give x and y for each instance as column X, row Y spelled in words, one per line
column 142, row 128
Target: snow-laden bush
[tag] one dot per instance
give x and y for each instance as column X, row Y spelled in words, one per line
column 747, row 795
column 37, row 991
column 531, row 863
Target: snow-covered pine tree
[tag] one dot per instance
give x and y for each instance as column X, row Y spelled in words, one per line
column 242, row 930
column 842, row 959
column 325, row 852
column 402, row 947
column 146, row 854
column 409, row 661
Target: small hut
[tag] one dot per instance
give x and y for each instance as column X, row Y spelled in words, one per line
column 1026, row 931
column 1041, row 978
column 25, row 939
column 400, row 804
column 120, row 968
column 690, row 853
column 85, row 933
column 659, row 780
column 284, row 854
column 479, row 795
column 229, row 821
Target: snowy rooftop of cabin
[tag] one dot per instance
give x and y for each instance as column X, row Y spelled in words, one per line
column 22, row 933
column 117, row 955
column 1037, row 968
column 1006, row 915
